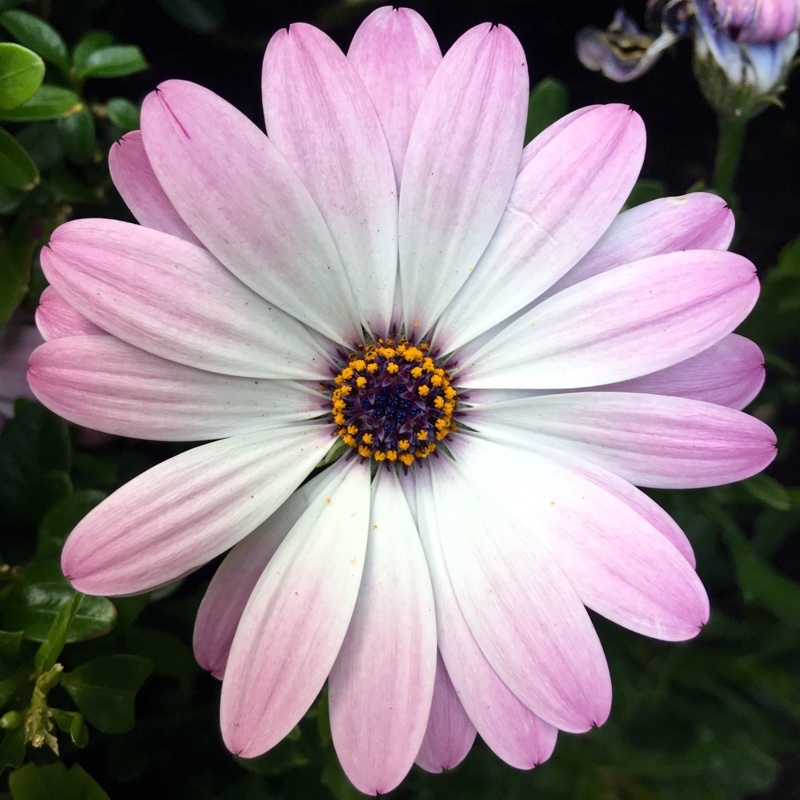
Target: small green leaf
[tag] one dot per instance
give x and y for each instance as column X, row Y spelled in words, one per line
column 9, row 645
column 49, row 102
column 769, row 491
column 123, row 113
column 88, row 44
column 54, row 781
column 12, row 749
column 34, row 447
column 33, row 607
column 21, row 74
column 9, row 203
column 76, row 133
column 68, row 189
column 41, row 141
column 17, row 169
column 201, row 16
column 114, row 62
column 50, row 649
column 168, row 654
column 548, row 103
column 105, row 689
column 59, row 521
column 73, row 723
column 644, row 191
column 37, row 34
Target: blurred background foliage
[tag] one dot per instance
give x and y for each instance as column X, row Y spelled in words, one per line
column 103, row 698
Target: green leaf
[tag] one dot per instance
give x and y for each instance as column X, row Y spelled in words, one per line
column 21, row 74
column 168, row 653
column 50, row 649
column 59, row 521
column 644, row 191
column 757, row 579
column 35, row 453
column 113, row 62
column 769, row 491
column 17, row 169
column 76, row 133
column 12, row 749
column 9, row 203
column 123, row 113
column 548, row 103
column 68, row 189
column 73, row 723
column 105, row 689
column 49, row 102
column 33, row 607
column 88, row 44
column 54, row 781
column 37, row 34
column 42, row 143
column 9, row 645
column 201, row 16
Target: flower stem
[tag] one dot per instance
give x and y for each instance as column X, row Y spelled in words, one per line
column 729, row 151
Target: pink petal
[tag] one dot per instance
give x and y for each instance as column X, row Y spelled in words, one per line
column 138, row 185
column 519, row 606
column 510, row 729
column 56, row 318
column 243, row 200
column 380, row 687
column 649, row 440
column 697, row 221
column 539, row 142
column 460, row 166
column 175, row 300
column 108, row 385
column 450, row 733
column 297, row 616
column 395, row 53
column 189, row 509
column 729, row 373
column 560, row 206
column 237, row 576
column 321, row 118
column 619, row 564
column 631, row 321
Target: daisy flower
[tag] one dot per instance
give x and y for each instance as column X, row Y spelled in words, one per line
column 475, row 356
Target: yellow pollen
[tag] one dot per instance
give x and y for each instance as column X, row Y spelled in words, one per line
column 365, row 396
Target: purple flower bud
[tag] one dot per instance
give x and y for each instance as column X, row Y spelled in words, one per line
column 757, row 20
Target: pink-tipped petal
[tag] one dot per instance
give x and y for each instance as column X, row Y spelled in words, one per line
column 511, row 730
column 729, row 373
column 450, row 733
column 56, row 318
column 234, row 581
column 247, row 205
column 182, row 513
column 296, row 619
column 460, row 166
column 518, row 604
column 561, row 204
column 619, row 565
column 395, row 53
column 175, row 300
column 697, row 221
column 380, row 687
column 138, row 186
column 321, row 118
column 110, row 386
column 649, row 440
column 622, row 324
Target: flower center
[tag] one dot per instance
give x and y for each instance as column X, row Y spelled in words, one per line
column 392, row 402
